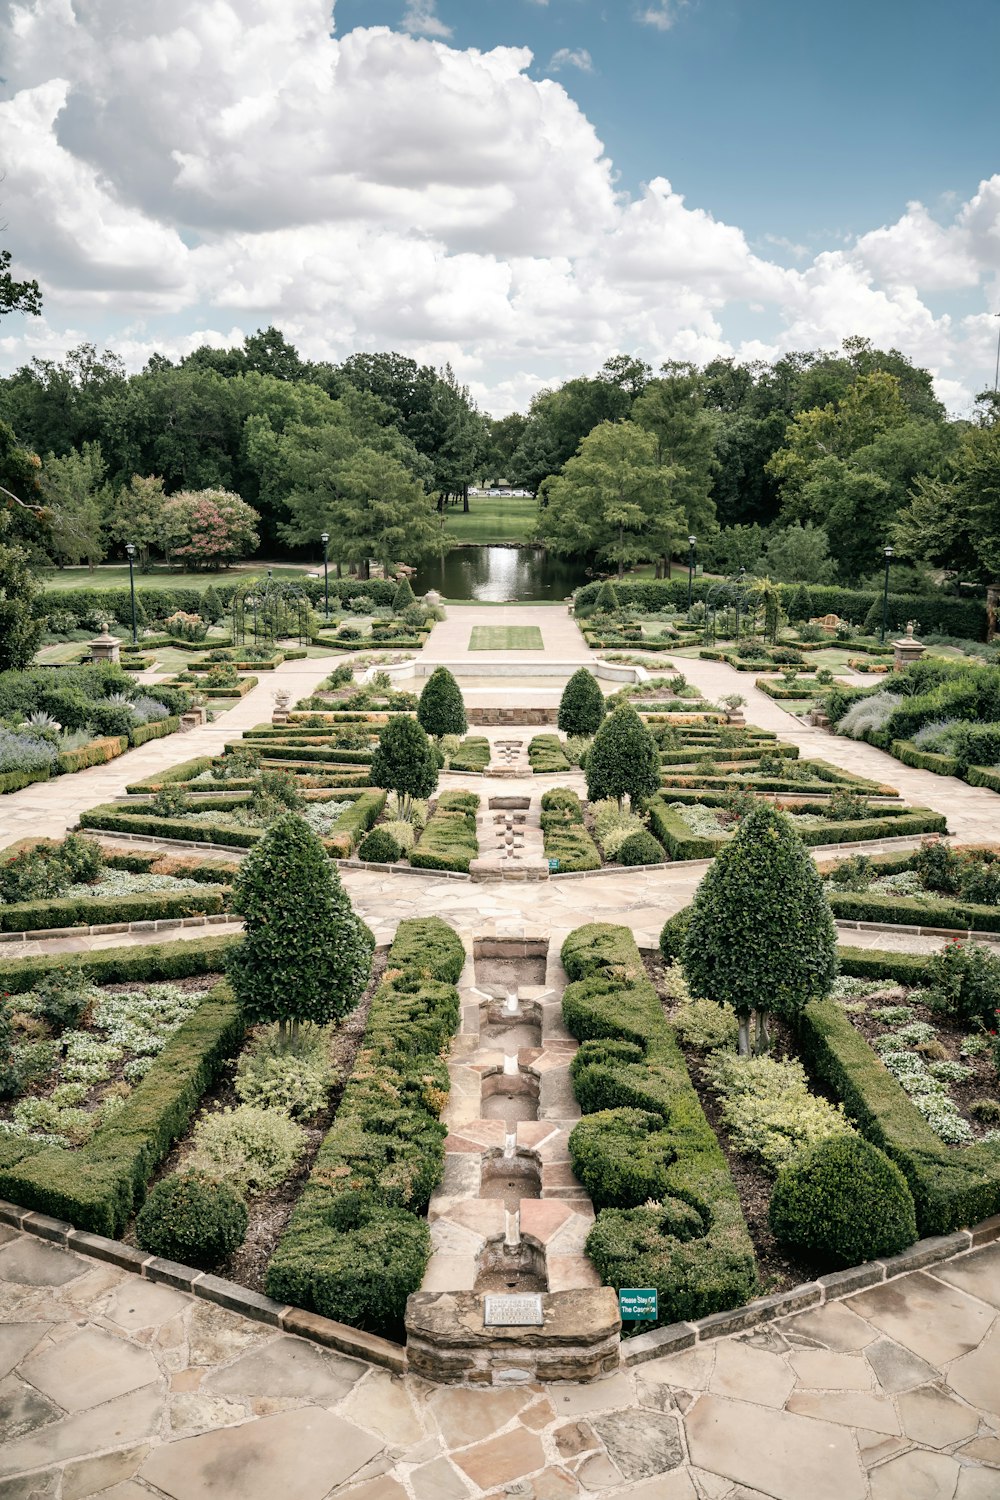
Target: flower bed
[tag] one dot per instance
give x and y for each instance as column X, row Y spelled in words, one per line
column 351, row 821
column 694, row 830
column 940, row 886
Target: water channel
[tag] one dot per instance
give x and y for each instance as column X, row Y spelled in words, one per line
column 500, row 575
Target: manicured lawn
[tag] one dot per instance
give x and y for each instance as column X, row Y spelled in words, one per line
column 511, row 519
column 116, row 576
column 505, row 638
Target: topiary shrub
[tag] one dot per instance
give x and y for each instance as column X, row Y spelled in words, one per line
column 623, row 761
column 404, row 761
column 379, row 847
column 607, row 599
column 250, row 1148
column 441, row 709
column 192, row 1219
column 621, row 1156
column 581, row 707
column 843, row 1201
column 641, row 849
column 673, row 933
column 304, row 955
column 403, row 597
column 800, row 606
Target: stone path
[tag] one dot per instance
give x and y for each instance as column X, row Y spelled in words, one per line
column 123, row 1388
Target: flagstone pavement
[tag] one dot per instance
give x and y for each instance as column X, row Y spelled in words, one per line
column 117, row 1387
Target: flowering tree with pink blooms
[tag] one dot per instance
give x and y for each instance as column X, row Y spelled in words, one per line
column 208, row 528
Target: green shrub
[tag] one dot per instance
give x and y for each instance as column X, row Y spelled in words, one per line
column 640, row 848
column 404, row 596
column 449, row 840
column 546, row 755
column 248, row 1148
column 843, row 1202
column 287, row 1073
column 963, row 981
column 674, row 932
column 379, row 847
column 623, row 760
column 192, row 1219
column 621, row 1156
column 768, row 1109
column 169, row 801
column 441, row 709
column 304, row 955
column 404, row 761
column 581, row 707
column 706, row 1026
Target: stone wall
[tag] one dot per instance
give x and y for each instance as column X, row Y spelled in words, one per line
column 505, row 716
column 579, row 1340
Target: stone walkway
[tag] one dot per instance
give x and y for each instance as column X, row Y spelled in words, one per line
column 124, row 1388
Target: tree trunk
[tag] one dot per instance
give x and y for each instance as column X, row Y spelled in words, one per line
column 363, row 570
column 763, row 1041
column 670, row 566
column 744, row 1036
column 465, row 498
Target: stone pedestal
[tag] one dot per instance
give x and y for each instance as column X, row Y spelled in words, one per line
column 907, row 649
column 105, row 647
column 194, row 718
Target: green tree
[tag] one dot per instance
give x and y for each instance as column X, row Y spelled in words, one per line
column 673, row 409
column 404, row 596
column 582, row 706
column 613, row 499
column 799, row 554
column 208, row 528
column 977, row 492
column 404, row 761
column 17, row 296
column 74, row 492
column 21, row 624
column 304, row 955
column 607, row 602
column 135, row 514
column 441, row 709
column 800, row 606
column 623, row 760
column 211, row 607
column 761, row 935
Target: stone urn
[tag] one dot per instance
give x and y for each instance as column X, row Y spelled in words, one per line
column 105, row 647
column 907, row 649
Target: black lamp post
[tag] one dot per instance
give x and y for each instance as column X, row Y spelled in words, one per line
column 130, row 549
column 692, row 541
column 325, row 539
column 885, row 593
column 739, row 597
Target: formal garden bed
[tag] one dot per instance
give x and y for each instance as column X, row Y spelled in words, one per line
column 939, row 886
column 55, row 721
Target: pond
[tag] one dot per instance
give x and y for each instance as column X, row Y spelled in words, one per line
column 500, row 574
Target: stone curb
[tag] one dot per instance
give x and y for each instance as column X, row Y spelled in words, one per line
column 160, row 924
column 364, row 864
column 828, row 1288
column 945, row 932
column 228, row 1294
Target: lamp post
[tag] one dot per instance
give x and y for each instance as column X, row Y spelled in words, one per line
column 692, row 542
column 130, row 549
column 739, row 596
column 887, row 552
column 325, row 539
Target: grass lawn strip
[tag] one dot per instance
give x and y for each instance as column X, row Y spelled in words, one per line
column 505, row 638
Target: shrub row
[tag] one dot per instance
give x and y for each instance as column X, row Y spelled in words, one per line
column 355, row 1246
column 132, row 965
column 950, row 1187
column 97, row 753
column 154, row 730
column 449, row 840
column 681, row 842
column 355, row 821
column 102, row 1184
column 784, row 690
column 870, row 906
column 160, row 602
column 546, row 755
column 563, row 833
column 473, row 754
column 13, row 781
column 186, row 770
column 92, row 911
column 669, row 1215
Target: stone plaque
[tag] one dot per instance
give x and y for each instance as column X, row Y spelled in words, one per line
column 524, row 1311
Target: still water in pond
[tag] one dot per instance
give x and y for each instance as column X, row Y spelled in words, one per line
column 499, row 574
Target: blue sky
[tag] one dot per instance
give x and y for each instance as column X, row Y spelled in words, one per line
column 675, row 178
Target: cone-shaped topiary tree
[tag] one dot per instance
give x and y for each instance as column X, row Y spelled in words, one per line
column 800, row 606
column 607, row 599
column 441, row 709
column 761, row 934
column 404, row 596
column 210, row 607
column 304, row 956
column 405, row 761
column 623, row 761
column 581, row 707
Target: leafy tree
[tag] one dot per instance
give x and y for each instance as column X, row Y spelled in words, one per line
column 607, row 602
column 24, row 517
column 977, row 492
column 404, row 596
column 17, row 296
column 761, row 935
column 441, row 709
column 21, row 624
column 135, row 514
column 799, row 554
column 613, row 499
column 672, row 408
column 800, row 605
column 582, row 706
column 211, row 607
column 74, row 492
column 208, row 528
column 304, row 955
column 623, row 761
column 404, row 761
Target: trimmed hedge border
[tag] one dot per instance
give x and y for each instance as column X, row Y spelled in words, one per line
column 87, row 911
column 101, row 1185
column 681, row 842
column 15, row 781
column 97, row 753
column 357, row 1243
column 964, row 916
column 449, row 840
column 155, row 730
column 611, row 1001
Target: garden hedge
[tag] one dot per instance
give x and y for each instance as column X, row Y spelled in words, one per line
column 132, row 965
column 681, row 842
column 473, row 754
column 93, row 911
column 113, row 817
column 97, row 753
column 357, row 1243
column 870, row 906
column 564, row 836
column 692, row 1244
column 449, row 840
column 546, row 755
column 13, row 781
column 951, row 1187
column 101, row 1185
column 154, row 730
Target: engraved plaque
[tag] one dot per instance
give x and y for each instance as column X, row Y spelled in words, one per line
column 524, row 1311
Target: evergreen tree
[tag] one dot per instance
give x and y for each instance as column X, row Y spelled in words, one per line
column 623, row 761
column 581, row 707
column 761, row 935
column 211, row 606
column 20, row 626
column 404, row 761
column 607, row 598
column 800, row 605
column 441, row 709
column 305, row 955
column 404, row 596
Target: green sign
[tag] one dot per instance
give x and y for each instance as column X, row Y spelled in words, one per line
column 553, row 866
column 637, row 1303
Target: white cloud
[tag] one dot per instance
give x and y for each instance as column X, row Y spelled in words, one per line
column 663, row 15
column 421, row 18
column 571, row 57
column 188, row 172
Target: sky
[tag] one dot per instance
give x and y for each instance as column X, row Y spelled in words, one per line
column 521, row 188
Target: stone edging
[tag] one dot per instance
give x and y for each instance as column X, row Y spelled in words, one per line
column 159, row 924
column 945, row 932
column 829, row 1288
column 238, row 1299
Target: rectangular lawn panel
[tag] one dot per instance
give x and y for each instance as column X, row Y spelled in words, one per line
column 505, row 638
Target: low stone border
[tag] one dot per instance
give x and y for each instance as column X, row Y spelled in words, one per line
column 156, row 839
column 228, row 1294
column 945, row 932
column 159, row 924
column 373, row 864
column 829, row 1288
